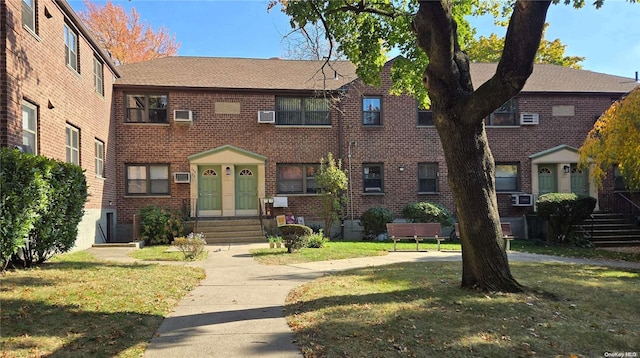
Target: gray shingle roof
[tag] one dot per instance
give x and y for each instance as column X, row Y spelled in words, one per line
column 279, row 74
column 238, row 73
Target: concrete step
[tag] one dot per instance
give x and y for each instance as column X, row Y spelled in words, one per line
column 615, row 243
column 237, row 240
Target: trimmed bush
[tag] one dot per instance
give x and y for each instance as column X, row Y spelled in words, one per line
column 158, row 226
column 41, row 206
column 56, row 229
column 425, row 212
column 562, row 211
column 375, row 219
column 294, row 236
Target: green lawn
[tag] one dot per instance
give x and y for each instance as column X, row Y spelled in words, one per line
column 336, row 250
column 78, row 306
column 419, row 310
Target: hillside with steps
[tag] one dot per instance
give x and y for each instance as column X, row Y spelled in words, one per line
column 610, row 229
column 229, row 230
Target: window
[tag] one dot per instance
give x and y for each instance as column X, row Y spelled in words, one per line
column 372, row 175
column 297, row 178
column 99, row 158
column 428, row 177
column 29, row 128
column 302, row 111
column 71, row 47
column 29, row 14
column 73, row 145
column 98, row 76
column 507, row 177
column 147, row 179
column 425, row 117
column 506, row 115
column 372, row 111
column 618, row 180
column 146, row 108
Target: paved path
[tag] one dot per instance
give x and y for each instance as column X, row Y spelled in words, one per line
column 237, row 310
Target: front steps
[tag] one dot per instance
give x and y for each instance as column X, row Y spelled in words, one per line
column 610, row 230
column 229, row 230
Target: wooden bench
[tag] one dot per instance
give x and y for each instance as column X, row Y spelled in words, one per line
column 414, row 231
column 507, row 235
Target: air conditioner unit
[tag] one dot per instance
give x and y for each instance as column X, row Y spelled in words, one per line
column 522, row 199
column 529, row 118
column 182, row 115
column 266, row 117
column 182, row 177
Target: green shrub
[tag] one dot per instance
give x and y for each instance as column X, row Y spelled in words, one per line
column 191, row 245
column 56, row 229
column 294, row 236
column 374, row 220
column 562, row 211
column 425, row 212
column 22, row 195
column 41, row 206
column 158, row 226
column 316, row 240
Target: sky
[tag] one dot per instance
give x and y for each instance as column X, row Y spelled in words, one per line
column 608, row 37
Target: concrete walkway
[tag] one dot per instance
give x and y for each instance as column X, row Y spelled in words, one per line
column 237, row 310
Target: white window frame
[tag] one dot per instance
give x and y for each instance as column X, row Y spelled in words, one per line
column 29, row 116
column 72, row 144
column 98, row 76
column 499, row 179
column 306, row 182
column 29, row 14
column 72, row 57
column 99, row 148
column 369, row 115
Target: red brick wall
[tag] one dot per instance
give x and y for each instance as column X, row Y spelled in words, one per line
column 36, row 72
column 398, row 142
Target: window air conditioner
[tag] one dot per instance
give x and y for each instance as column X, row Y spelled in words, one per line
column 182, row 115
column 266, row 117
column 529, row 118
column 182, row 177
column 522, row 199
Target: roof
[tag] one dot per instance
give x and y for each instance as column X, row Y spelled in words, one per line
column 279, row 74
column 238, row 73
column 555, row 78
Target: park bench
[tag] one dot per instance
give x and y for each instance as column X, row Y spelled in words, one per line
column 507, row 235
column 414, row 231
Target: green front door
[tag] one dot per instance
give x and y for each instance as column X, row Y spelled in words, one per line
column 246, row 189
column 209, row 189
column 547, row 179
column 579, row 181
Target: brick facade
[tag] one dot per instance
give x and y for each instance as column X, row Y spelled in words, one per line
column 34, row 70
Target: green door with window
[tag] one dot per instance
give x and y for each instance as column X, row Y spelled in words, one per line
column 209, row 188
column 547, row 179
column 246, row 189
column 579, row 181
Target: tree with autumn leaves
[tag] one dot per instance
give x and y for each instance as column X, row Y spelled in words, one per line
column 615, row 140
column 127, row 38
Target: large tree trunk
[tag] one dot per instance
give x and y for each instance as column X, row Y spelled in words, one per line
column 459, row 111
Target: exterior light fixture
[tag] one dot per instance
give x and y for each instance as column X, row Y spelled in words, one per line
column 566, row 169
column 228, row 171
column 401, row 168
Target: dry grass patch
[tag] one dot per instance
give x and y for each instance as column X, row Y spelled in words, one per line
column 418, row 310
column 77, row 306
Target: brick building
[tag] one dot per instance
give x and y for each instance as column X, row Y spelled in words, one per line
column 55, row 100
column 215, row 136
column 214, row 139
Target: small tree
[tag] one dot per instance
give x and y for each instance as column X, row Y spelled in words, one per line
column 293, row 235
column 374, row 221
column 331, row 182
column 614, row 140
